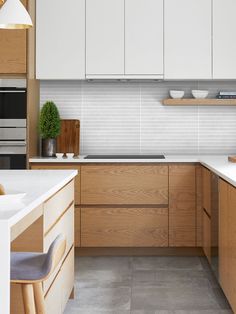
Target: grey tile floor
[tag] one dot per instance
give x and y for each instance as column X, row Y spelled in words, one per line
column 146, row 285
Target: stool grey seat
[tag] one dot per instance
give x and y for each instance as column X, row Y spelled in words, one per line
column 31, row 269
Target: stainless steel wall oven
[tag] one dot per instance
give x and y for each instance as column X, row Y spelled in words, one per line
column 13, row 114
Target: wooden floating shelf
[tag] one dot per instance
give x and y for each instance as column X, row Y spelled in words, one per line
column 199, row 102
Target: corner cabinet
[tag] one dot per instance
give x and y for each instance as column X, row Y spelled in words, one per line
column 227, row 241
column 124, row 39
column 188, row 33
column 60, row 39
column 224, row 45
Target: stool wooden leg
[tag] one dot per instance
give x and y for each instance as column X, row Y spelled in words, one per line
column 39, row 298
column 28, row 298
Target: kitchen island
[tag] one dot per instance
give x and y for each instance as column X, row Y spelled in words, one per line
column 47, row 206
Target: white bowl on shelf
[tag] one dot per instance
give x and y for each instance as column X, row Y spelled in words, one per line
column 200, row 94
column 177, row 94
column 59, row 155
column 70, row 155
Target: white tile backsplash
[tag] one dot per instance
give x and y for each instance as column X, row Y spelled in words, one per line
column 129, row 118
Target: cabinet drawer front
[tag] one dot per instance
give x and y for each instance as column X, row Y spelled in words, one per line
column 182, row 203
column 124, row 184
column 65, row 226
column 124, row 227
column 56, row 205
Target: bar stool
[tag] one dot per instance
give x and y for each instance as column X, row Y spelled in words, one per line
column 31, row 269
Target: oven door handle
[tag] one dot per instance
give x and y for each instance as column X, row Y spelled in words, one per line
column 12, row 143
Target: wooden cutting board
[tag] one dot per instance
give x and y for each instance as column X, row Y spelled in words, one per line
column 69, row 139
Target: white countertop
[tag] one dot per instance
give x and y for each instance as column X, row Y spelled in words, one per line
column 38, row 185
column 80, row 159
column 218, row 164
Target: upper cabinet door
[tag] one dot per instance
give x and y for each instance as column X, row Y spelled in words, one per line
column 144, row 37
column 224, row 44
column 104, row 37
column 60, row 39
column 187, row 52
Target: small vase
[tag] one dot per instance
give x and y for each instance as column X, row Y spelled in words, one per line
column 49, row 147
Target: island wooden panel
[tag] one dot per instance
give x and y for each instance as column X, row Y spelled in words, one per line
column 13, row 51
column 61, row 166
column 124, row 184
column 206, row 189
column 182, row 206
column 124, row 227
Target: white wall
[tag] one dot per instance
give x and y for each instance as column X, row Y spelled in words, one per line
column 128, row 117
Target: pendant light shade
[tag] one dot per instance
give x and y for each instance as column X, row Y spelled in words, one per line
column 13, row 15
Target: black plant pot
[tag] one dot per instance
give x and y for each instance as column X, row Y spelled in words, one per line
column 49, row 147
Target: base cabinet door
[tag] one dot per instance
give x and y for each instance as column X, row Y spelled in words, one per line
column 227, row 242
column 124, row 227
column 207, row 236
column 182, row 206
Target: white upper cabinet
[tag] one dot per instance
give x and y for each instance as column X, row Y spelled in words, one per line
column 224, row 39
column 188, row 44
column 144, row 37
column 104, row 37
column 60, row 39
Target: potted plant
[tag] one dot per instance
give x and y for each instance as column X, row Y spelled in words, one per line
column 49, row 127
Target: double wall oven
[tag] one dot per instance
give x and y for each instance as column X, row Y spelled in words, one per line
column 13, row 113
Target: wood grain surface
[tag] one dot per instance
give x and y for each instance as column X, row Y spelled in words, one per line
column 13, row 50
column 124, row 227
column 69, row 139
column 124, row 184
column 182, row 206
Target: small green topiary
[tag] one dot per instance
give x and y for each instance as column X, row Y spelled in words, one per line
column 49, row 121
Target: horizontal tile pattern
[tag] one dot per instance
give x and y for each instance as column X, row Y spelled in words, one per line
column 128, row 117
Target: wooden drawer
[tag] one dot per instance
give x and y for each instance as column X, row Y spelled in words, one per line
column 124, row 227
column 182, row 204
column 60, row 167
column 65, row 226
column 56, row 205
column 77, row 226
column 126, row 184
column 59, row 293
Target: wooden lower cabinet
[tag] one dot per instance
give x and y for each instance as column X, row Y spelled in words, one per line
column 124, row 227
column 207, row 236
column 182, row 206
column 227, row 241
column 77, row 226
column 124, row 184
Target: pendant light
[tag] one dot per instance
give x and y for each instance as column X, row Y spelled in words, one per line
column 13, row 15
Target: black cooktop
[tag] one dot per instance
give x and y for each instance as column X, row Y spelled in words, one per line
column 125, row 157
